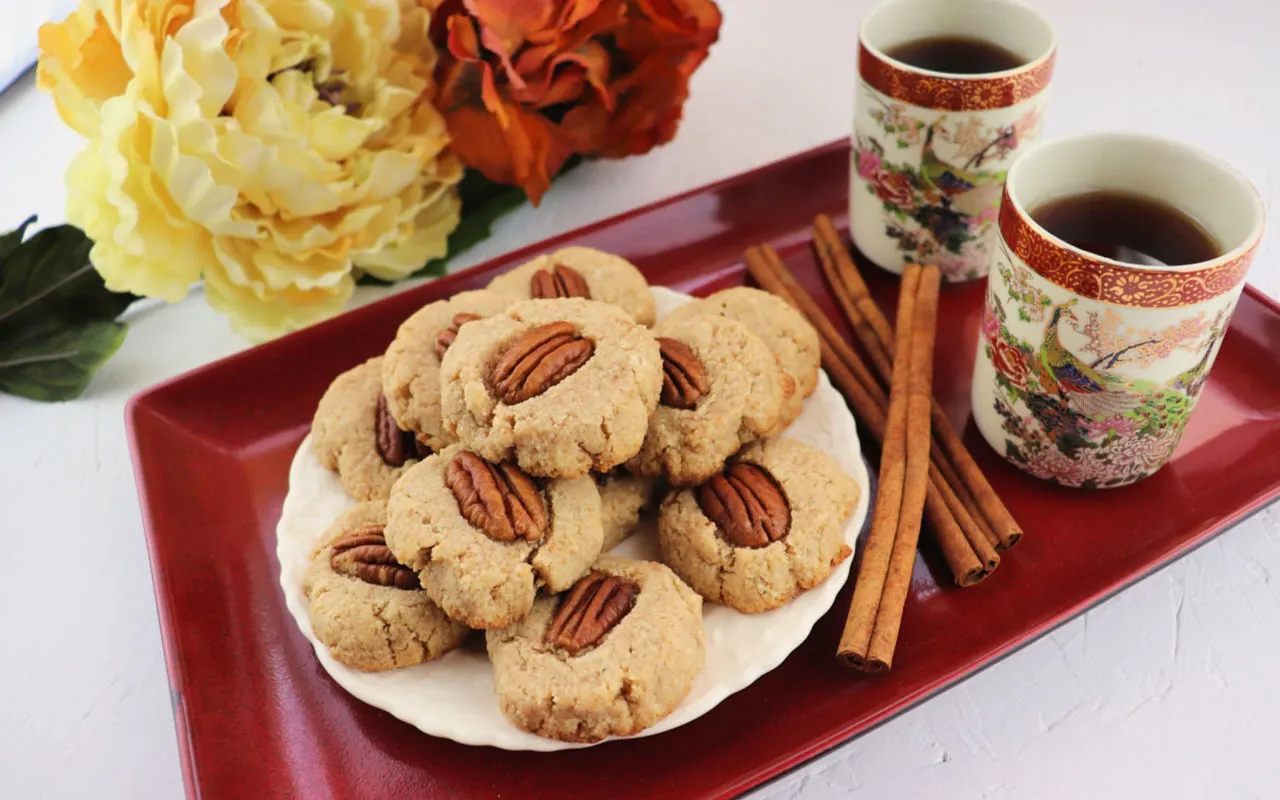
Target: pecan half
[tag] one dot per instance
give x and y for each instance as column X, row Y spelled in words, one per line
column 559, row 281
column 539, row 359
column 394, row 445
column 499, row 499
column 364, row 554
column 594, row 605
column 747, row 504
column 446, row 335
column 684, row 378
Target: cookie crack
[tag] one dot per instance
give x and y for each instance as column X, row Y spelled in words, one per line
column 792, row 562
column 378, row 609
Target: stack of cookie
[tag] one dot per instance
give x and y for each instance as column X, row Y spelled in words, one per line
column 510, row 436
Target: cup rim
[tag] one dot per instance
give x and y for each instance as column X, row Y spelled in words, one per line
column 1248, row 244
column 888, row 5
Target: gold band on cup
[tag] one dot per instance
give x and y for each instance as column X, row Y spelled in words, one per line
column 953, row 94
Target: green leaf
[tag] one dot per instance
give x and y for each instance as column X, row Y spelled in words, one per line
column 51, row 360
column 50, row 274
column 56, row 315
column 10, row 241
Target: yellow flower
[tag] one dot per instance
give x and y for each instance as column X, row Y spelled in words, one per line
column 276, row 148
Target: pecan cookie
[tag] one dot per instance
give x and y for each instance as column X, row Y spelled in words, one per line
column 484, row 537
column 411, row 366
column 623, row 498
column 721, row 389
column 581, row 272
column 611, row 657
column 768, row 528
column 784, row 330
column 354, row 434
column 560, row 386
column 365, row 607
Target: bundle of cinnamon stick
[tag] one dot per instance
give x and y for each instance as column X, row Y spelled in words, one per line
column 969, row 522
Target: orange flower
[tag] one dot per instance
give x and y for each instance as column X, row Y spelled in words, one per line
column 528, row 83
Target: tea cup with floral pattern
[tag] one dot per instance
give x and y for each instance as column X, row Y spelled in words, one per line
column 931, row 149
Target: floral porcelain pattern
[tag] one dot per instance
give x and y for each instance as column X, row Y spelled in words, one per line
column 1087, row 393
column 935, row 180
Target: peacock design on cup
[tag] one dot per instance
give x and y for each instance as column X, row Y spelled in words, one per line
column 1071, row 410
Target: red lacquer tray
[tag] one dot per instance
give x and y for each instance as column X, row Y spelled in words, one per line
column 257, row 717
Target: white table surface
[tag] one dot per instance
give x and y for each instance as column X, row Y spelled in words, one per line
column 1166, row 691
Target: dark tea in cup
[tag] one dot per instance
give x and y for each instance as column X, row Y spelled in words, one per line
column 958, row 55
column 1128, row 227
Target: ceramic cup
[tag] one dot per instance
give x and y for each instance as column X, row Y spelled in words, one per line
column 1088, row 368
column 931, row 149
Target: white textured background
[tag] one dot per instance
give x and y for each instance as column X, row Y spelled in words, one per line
column 1167, row 691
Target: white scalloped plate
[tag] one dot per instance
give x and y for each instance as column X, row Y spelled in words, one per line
column 453, row 697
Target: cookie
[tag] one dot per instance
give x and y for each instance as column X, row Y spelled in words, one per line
column 609, row 658
column 484, row 538
column 411, row 365
column 767, row 529
column 721, row 389
column 367, row 609
column 581, row 272
column 784, row 330
column 354, row 434
column 623, row 499
column 561, row 387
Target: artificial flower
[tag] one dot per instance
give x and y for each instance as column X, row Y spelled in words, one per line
column 275, row 148
column 525, row 84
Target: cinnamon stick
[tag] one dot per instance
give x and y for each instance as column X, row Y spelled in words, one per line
column 970, row 505
column 966, row 565
column 971, row 481
column 921, row 319
column 858, row 320
column 773, row 276
column 882, row 545
column 829, row 238
column 974, row 539
column 855, row 300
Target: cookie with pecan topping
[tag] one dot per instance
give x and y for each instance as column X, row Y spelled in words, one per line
column 793, row 341
column 484, row 537
column 610, row 657
column 721, row 389
column 581, row 272
column 354, row 434
column 411, row 366
column 367, row 608
column 561, row 387
column 770, row 526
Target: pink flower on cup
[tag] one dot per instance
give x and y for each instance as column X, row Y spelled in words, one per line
column 988, row 215
column 895, row 188
column 990, row 324
column 954, row 267
column 868, row 165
